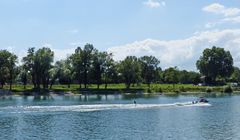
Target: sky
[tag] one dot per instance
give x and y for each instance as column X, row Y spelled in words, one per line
column 174, row 31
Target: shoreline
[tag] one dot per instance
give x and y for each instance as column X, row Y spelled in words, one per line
column 213, row 94
column 155, row 89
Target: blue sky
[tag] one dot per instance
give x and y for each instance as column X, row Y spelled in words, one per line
column 124, row 27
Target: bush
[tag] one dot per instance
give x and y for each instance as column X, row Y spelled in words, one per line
column 176, row 91
column 160, row 90
column 149, row 90
column 157, row 89
column 227, row 89
column 209, row 89
column 182, row 89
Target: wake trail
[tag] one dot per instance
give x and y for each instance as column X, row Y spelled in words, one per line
column 94, row 107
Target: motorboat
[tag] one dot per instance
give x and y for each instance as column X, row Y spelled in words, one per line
column 200, row 100
column 203, row 100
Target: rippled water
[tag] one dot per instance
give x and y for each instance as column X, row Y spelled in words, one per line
column 116, row 117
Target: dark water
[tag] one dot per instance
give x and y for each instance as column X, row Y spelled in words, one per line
column 115, row 117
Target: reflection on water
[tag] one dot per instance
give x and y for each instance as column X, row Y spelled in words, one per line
column 116, row 117
column 80, row 97
column 42, row 98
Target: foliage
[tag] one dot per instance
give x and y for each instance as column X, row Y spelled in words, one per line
column 82, row 61
column 130, row 70
column 186, row 77
column 61, row 72
column 235, row 77
column 215, row 62
column 95, row 69
column 23, row 76
column 76, row 62
column 8, row 67
column 209, row 89
column 99, row 66
column 110, row 73
column 171, row 75
column 149, row 67
column 227, row 89
column 38, row 64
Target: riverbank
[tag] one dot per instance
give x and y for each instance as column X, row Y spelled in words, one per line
column 166, row 89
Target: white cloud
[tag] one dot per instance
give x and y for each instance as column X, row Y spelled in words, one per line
column 154, row 3
column 214, row 8
column 221, row 9
column 60, row 54
column 216, row 23
column 10, row 48
column 226, row 20
column 21, row 54
column 210, row 24
column 182, row 53
column 232, row 19
column 229, row 15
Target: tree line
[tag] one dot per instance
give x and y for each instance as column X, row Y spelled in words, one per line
column 87, row 65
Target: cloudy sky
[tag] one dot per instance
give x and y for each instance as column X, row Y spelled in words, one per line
column 174, row 31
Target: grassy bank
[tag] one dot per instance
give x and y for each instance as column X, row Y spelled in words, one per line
column 167, row 89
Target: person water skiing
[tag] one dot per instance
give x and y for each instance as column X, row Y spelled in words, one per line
column 134, row 102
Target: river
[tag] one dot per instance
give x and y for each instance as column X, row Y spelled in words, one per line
column 115, row 117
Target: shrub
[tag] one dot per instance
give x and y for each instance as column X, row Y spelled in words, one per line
column 149, row 90
column 227, row 89
column 160, row 89
column 208, row 89
column 182, row 89
column 176, row 91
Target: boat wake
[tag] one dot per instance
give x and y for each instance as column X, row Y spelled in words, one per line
column 94, row 107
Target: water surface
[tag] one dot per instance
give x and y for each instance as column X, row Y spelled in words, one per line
column 116, row 117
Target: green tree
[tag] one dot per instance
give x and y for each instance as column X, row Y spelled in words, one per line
column 110, row 70
column 12, row 68
column 131, row 70
column 54, row 73
column 87, row 56
column 77, row 63
column 171, row 75
column 103, row 68
column 43, row 63
column 82, row 61
column 62, row 71
column 39, row 64
column 184, row 77
column 98, row 66
column 194, row 77
column 215, row 62
column 28, row 65
column 235, row 77
column 191, row 77
column 23, row 76
column 149, row 66
column 66, row 73
column 8, row 67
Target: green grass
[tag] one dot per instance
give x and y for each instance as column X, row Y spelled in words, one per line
column 169, row 89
